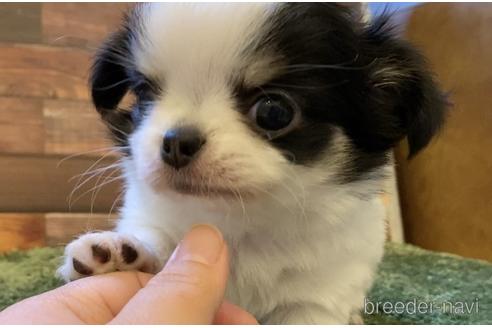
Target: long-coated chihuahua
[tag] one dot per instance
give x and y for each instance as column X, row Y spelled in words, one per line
column 273, row 122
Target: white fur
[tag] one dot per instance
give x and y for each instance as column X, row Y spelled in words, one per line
column 316, row 246
column 304, row 248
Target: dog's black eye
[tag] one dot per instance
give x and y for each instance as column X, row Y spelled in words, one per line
column 144, row 90
column 274, row 114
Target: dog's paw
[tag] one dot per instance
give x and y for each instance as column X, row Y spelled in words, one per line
column 101, row 252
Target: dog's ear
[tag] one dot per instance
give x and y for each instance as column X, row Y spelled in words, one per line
column 406, row 101
column 110, row 82
column 109, row 78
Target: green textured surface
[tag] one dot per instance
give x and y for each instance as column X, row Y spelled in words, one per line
column 23, row 274
column 407, row 273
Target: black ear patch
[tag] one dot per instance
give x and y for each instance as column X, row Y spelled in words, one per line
column 109, row 79
column 405, row 98
column 110, row 82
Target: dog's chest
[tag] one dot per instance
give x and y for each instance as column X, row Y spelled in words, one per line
column 268, row 268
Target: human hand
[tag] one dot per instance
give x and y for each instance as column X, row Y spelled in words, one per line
column 189, row 290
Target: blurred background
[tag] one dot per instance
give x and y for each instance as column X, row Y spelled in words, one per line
column 54, row 152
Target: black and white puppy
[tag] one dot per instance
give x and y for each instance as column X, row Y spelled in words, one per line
column 273, row 122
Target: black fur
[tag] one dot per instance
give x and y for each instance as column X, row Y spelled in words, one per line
column 110, row 83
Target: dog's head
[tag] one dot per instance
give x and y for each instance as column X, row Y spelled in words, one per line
column 239, row 97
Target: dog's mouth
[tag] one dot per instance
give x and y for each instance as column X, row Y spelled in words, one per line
column 205, row 190
column 201, row 190
column 194, row 182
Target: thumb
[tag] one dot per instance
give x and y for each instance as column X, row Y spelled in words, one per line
column 190, row 288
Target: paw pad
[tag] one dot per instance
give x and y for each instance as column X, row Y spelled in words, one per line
column 101, row 254
column 81, row 267
column 128, row 253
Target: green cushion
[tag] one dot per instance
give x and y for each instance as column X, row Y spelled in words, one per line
column 408, row 275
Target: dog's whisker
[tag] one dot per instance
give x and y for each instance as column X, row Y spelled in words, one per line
column 118, row 197
column 96, row 171
column 113, row 149
column 96, row 192
column 115, row 84
column 97, row 187
column 115, row 128
column 80, row 184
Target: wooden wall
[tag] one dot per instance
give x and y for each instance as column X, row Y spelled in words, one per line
column 446, row 191
column 46, row 115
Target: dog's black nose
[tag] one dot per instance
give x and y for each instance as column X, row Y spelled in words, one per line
column 180, row 145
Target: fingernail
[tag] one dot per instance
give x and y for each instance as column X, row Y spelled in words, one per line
column 202, row 244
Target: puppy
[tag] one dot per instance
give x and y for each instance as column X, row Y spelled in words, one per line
column 273, row 122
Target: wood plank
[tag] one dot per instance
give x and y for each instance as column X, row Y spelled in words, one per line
column 73, row 127
column 20, row 22
column 21, row 231
column 80, row 24
column 28, row 230
column 61, row 228
column 52, row 127
column 37, row 184
column 43, row 71
column 21, row 123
